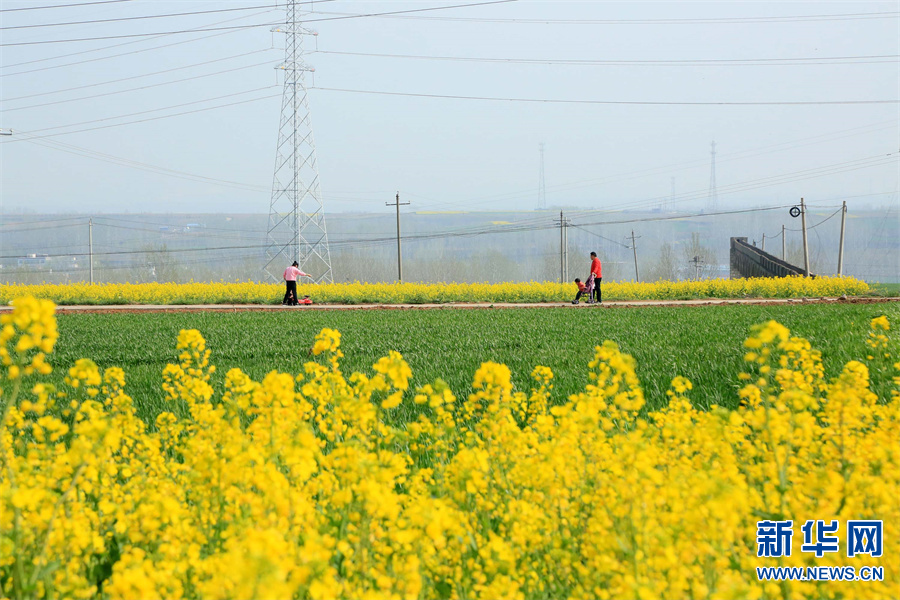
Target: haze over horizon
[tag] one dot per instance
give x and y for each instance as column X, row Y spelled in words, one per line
column 449, row 105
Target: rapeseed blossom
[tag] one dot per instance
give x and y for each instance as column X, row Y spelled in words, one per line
column 437, row 293
column 302, row 485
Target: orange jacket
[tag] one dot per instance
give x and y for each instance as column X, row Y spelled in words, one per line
column 597, row 267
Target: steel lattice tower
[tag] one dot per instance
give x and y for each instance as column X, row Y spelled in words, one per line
column 712, row 201
column 296, row 213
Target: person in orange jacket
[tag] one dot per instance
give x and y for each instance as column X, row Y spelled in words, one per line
column 597, row 273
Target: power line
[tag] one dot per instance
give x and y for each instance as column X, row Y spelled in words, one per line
column 87, row 153
column 132, row 35
column 43, row 227
column 111, row 81
column 471, row 232
column 13, row 140
column 183, row 31
column 13, row 224
column 817, row 224
column 141, row 17
column 600, row 236
column 401, row 12
column 685, row 21
column 778, row 235
column 69, row 54
column 611, row 102
column 6, row 10
column 824, row 60
column 139, row 88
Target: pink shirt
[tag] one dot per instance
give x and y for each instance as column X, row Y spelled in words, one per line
column 292, row 273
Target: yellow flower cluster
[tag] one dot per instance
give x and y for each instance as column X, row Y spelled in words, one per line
column 33, row 327
column 304, row 486
column 422, row 293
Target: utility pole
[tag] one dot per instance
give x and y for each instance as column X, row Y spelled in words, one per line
column 91, row 247
column 805, row 241
column 841, row 247
column 764, row 243
column 563, row 248
column 712, row 201
column 697, row 260
column 542, row 188
column 634, row 248
column 565, row 228
column 398, row 204
column 783, row 244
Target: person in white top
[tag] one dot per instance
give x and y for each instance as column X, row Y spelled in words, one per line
column 290, row 281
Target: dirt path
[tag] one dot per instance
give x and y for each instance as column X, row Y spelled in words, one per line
column 159, row 308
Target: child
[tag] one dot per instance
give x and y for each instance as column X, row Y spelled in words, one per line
column 581, row 291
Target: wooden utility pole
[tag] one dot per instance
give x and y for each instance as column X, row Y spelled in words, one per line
column 783, row 244
column 841, row 247
column 398, row 204
column 563, row 248
column 91, row 247
column 637, row 275
column 697, row 260
column 805, row 241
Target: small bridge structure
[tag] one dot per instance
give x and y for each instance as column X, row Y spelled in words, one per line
column 749, row 261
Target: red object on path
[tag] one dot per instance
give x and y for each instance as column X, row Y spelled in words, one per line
column 305, row 300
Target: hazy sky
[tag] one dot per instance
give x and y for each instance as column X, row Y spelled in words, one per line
column 453, row 153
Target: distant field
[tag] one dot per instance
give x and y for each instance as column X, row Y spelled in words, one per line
column 431, row 293
column 701, row 343
column 887, row 290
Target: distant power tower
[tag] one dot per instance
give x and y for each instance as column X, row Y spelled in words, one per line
column 296, row 214
column 712, row 201
column 542, row 188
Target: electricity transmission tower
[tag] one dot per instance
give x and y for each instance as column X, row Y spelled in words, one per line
column 712, row 201
column 542, row 188
column 296, row 228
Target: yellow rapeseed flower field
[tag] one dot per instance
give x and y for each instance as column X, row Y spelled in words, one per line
column 297, row 486
column 419, row 293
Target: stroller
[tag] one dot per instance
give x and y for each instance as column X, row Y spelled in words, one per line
column 589, row 289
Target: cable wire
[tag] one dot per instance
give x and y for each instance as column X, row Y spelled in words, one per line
column 610, row 102
column 111, row 81
column 183, row 31
column 139, row 88
column 388, row 239
column 140, row 41
column 6, row 10
column 87, row 153
column 141, row 17
column 824, row 60
column 10, row 141
column 599, row 236
column 684, row 21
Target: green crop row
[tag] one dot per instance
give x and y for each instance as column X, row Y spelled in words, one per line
column 700, row 343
